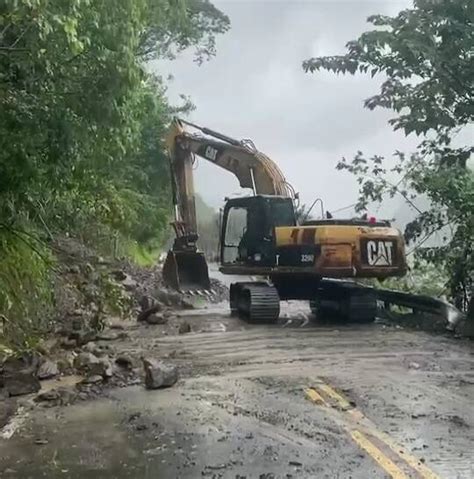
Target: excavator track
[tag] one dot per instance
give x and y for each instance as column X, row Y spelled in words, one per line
column 362, row 307
column 256, row 302
column 346, row 301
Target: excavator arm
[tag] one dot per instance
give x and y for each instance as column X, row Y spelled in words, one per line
column 185, row 267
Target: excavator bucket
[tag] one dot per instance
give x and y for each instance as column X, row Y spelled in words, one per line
column 186, row 270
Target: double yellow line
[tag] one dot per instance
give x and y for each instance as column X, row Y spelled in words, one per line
column 360, row 429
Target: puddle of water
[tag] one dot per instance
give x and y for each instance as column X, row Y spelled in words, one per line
column 63, row 381
column 20, row 416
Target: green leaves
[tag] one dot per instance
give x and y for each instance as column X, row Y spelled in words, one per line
column 25, row 292
column 83, row 120
column 426, row 55
column 173, row 26
column 76, row 100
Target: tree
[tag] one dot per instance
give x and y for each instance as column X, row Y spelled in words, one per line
column 82, row 124
column 208, row 222
column 192, row 23
column 424, row 55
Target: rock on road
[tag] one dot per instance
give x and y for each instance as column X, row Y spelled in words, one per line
column 269, row 401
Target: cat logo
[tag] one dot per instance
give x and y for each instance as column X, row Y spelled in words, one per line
column 380, row 253
column 211, row 153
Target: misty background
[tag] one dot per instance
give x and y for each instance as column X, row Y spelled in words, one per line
column 256, row 88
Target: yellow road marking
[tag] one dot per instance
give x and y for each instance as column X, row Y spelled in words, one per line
column 424, row 471
column 378, row 456
column 315, row 396
column 369, row 427
column 343, row 403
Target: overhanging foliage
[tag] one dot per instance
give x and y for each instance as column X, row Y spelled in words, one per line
column 82, row 120
column 425, row 58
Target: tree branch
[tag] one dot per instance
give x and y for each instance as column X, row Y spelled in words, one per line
column 22, row 34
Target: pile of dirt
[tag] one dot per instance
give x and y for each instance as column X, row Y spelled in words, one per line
column 420, row 321
column 99, row 303
column 462, row 326
column 89, row 288
column 150, row 283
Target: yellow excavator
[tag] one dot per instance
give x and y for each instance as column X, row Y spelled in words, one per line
column 260, row 236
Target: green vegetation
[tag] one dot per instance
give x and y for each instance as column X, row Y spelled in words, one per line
column 208, row 227
column 80, row 132
column 425, row 56
column 425, row 278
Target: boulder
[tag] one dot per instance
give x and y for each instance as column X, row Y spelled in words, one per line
column 124, row 361
column 129, row 284
column 48, row 369
column 168, row 297
column 21, row 382
column 83, row 336
column 159, row 374
column 68, row 343
column 74, row 269
column 78, row 323
column 108, row 336
column 187, row 304
column 51, row 395
column 117, row 324
column 95, row 379
column 60, row 395
column 92, row 365
column 156, row 318
column 119, row 274
column 48, row 346
column 184, row 328
column 18, row 375
column 85, row 360
column 147, row 312
column 147, row 302
column 93, row 348
column 108, row 368
column 66, row 362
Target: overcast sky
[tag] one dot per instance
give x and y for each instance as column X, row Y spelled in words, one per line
column 255, row 88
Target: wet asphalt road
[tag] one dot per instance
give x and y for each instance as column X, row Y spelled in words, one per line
column 294, row 400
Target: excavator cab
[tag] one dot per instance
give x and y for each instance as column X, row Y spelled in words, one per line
column 248, row 226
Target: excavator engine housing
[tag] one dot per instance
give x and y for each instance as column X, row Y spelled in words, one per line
column 260, row 236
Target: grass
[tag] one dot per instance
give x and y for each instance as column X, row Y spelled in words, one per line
column 141, row 255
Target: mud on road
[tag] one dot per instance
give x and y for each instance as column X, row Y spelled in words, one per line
column 293, row 400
